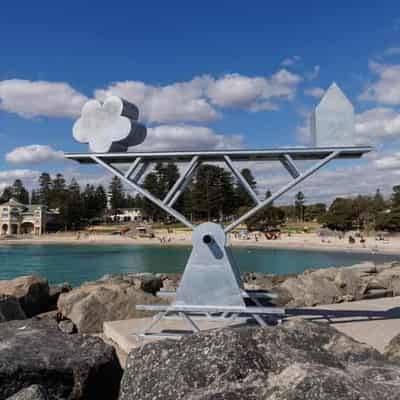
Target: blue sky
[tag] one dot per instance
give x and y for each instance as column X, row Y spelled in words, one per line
column 207, row 74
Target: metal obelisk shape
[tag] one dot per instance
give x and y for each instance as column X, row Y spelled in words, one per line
column 332, row 122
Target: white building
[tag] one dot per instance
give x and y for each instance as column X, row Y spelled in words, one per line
column 17, row 218
column 126, row 215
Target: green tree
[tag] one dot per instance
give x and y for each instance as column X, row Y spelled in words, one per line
column 45, row 185
column 35, row 198
column 213, row 193
column 396, row 196
column 19, row 192
column 7, row 194
column 314, row 212
column 74, row 205
column 117, row 193
column 340, row 215
column 243, row 199
column 299, row 204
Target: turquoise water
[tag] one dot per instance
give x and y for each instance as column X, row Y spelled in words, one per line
column 79, row 263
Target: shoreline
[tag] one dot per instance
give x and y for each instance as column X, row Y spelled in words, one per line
column 305, row 242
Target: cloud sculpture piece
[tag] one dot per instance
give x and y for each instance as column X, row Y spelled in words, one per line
column 110, row 126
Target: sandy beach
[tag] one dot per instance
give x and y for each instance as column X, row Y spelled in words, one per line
column 303, row 241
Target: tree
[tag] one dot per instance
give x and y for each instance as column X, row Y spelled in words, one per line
column 213, row 193
column 35, row 198
column 19, row 192
column 58, row 199
column 314, row 211
column 100, row 200
column 73, row 207
column 299, row 204
column 45, row 184
column 379, row 202
column 243, row 199
column 7, row 194
column 117, row 193
column 340, row 215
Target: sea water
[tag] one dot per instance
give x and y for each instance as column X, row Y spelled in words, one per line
column 78, row 263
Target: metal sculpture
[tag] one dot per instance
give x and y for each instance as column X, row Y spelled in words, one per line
column 211, row 284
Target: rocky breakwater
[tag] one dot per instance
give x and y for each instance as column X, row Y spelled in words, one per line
column 108, row 299
column 296, row 360
column 330, row 285
column 28, row 296
column 37, row 359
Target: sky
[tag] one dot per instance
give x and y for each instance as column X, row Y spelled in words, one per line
column 205, row 75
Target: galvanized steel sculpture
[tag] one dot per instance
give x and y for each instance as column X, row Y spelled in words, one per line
column 211, row 284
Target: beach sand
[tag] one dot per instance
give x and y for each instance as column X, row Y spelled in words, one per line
column 303, row 241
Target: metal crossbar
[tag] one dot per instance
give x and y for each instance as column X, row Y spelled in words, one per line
column 285, row 156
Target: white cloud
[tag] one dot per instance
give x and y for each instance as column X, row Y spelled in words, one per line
column 386, row 90
column 235, row 90
column 290, row 61
column 196, row 100
column 40, row 98
column 316, row 92
column 180, row 101
column 34, row 154
column 388, row 162
column 376, row 124
column 187, row 137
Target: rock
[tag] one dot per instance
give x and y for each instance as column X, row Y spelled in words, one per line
column 67, row 326
column 349, row 283
column 310, row 290
column 392, row 350
column 55, row 291
column 147, row 282
column 10, row 309
column 34, row 392
column 67, row 366
column 32, row 292
column 389, row 278
column 296, row 360
column 50, row 315
column 94, row 303
column 257, row 281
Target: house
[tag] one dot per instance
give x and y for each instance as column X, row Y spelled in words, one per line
column 126, row 215
column 17, row 218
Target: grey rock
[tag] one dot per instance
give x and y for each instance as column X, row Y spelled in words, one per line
column 68, row 366
column 310, row 290
column 34, row 392
column 10, row 309
column 392, row 350
column 31, row 291
column 55, row 291
column 94, row 303
column 67, row 326
column 296, row 360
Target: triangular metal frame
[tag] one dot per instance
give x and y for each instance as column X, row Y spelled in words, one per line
column 139, row 165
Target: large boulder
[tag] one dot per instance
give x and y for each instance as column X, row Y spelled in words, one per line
column 296, row 360
column 34, row 392
column 10, row 308
column 31, row 291
column 311, row 289
column 67, row 366
column 392, row 350
column 106, row 300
